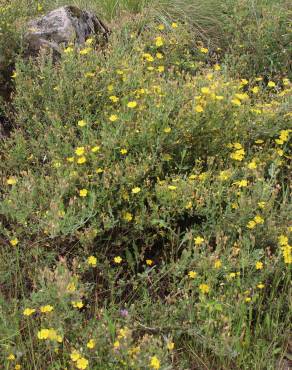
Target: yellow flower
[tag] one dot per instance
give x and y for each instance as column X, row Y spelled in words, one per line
column 82, row 123
column 252, row 165
column 158, row 41
column 11, row 181
column 258, row 219
column 56, row 164
column 46, row 309
column 99, row 170
column 43, row 334
column 89, row 74
column 89, row 41
column 148, row 57
column 237, row 146
column 238, row 155
column 219, row 97
column 257, row 111
column 11, row 357
column 71, row 287
column 127, row 216
column 83, row 193
column 161, row 27
column 91, row 344
column 261, row 286
column 160, row 69
column 174, row 25
column 114, row 98
column 77, row 304
column 262, row 204
column 192, row 274
column 172, row 187
column 123, row 333
column 204, row 288
column 81, row 160
column 241, row 183
column 255, row 90
column 243, row 81
column 52, row 335
column 286, row 81
column 85, row 51
column 217, row 67
column 167, row 130
column 149, row 262
column 242, row 96
column 95, row 149
column 204, row 50
column 118, row 259
column 236, row 102
column 134, row 351
column 154, row 362
column 284, row 135
column 283, row 240
column 74, row 355
column 205, row 90
column 116, row 344
column 136, row 190
column 159, row 56
column 189, row 205
column 79, row 150
column 14, row 242
column 224, row 175
column 170, row 346
column 82, row 363
column 217, row 264
column 113, row 117
column 287, row 254
column 123, row 151
column 14, row 75
column 199, row 240
column 251, row 224
column 271, row 84
column 202, row 176
column 259, row 265
column 91, row 260
column 199, row 108
column 247, row 299
column 17, row 367
column 132, row 104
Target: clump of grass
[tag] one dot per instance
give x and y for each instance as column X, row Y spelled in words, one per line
column 259, row 38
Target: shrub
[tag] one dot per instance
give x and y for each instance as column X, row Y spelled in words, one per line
column 145, row 209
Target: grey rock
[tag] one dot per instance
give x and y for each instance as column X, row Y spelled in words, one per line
column 61, row 26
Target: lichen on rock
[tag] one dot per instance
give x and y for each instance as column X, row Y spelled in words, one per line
column 60, row 27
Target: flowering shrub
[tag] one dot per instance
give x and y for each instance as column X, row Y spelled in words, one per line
column 145, row 209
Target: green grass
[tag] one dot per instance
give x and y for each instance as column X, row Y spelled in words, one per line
column 153, row 234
